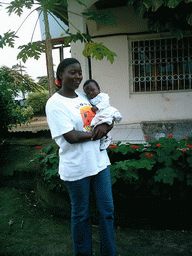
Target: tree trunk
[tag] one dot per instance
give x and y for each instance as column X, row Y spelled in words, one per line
column 49, row 58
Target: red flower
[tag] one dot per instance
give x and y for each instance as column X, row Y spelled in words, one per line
column 170, row 136
column 149, row 155
column 113, row 146
column 147, row 136
column 158, row 145
column 189, row 146
column 58, row 83
column 39, row 147
column 186, row 138
column 183, row 149
column 133, row 146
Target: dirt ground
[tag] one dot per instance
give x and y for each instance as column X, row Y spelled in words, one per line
column 28, row 228
column 36, row 124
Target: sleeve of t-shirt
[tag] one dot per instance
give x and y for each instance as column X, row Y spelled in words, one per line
column 59, row 121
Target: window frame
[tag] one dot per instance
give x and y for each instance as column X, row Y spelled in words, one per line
column 146, row 37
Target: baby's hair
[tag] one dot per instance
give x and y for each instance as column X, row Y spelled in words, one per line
column 93, row 81
column 63, row 64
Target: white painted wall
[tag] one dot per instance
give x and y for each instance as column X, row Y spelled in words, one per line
column 114, row 78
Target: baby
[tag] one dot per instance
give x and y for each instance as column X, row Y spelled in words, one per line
column 101, row 106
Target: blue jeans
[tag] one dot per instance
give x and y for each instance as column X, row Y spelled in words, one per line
column 80, row 217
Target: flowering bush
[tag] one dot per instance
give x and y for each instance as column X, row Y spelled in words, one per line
column 150, row 168
column 166, row 161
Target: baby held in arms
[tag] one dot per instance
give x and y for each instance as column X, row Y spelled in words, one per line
column 101, row 106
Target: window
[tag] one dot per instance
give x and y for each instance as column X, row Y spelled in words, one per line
column 162, row 65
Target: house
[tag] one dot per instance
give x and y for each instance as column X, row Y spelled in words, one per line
column 150, row 81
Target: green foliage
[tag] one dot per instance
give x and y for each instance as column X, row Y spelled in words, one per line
column 49, row 161
column 12, row 82
column 17, row 6
column 103, row 16
column 32, row 50
column 43, row 81
column 172, row 15
column 135, row 165
column 37, row 101
column 8, row 39
column 98, row 51
column 165, row 160
column 22, row 115
column 75, row 37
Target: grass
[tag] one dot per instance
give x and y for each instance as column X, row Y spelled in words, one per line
column 29, row 228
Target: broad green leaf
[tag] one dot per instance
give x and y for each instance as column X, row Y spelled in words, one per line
column 8, row 39
column 156, row 4
column 82, row 2
column 176, row 31
column 32, row 50
column 189, row 19
column 173, row 3
column 189, row 179
column 98, row 51
column 148, row 4
column 17, row 6
column 167, row 175
column 51, row 172
column 189, row 160
column 103, row 16
column 139, row 8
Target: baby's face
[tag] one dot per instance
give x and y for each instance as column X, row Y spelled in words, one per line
column 91, row 90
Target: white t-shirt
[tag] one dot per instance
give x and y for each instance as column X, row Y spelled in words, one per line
column 78, row 160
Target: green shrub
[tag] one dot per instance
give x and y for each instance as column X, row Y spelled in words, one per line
column 22, row 115
column 37, row 100
column 152, row 168
column 49, row 161
column 166, row 161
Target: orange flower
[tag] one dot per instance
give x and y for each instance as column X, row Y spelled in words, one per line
column 170, row 136
column 149, row 155
column 134, row 146
column 183, row 149
column 186, row 138
column 158, row 145
column 113, row 146
column 189, row 146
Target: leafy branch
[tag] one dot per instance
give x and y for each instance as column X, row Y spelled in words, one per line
column 32, row 50
column 165, row 15
column 8, row 39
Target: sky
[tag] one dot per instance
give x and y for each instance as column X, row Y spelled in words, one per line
column 8, row 55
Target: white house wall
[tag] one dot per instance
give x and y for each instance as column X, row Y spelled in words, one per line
column 114, row 78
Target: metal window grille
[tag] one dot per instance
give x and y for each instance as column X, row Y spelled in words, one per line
column 162, row 65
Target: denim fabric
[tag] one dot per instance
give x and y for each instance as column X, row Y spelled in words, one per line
column 80, row 217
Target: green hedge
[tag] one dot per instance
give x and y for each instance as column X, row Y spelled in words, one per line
column 164, row 163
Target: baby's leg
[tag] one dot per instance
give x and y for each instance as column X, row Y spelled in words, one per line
column 105, row 142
